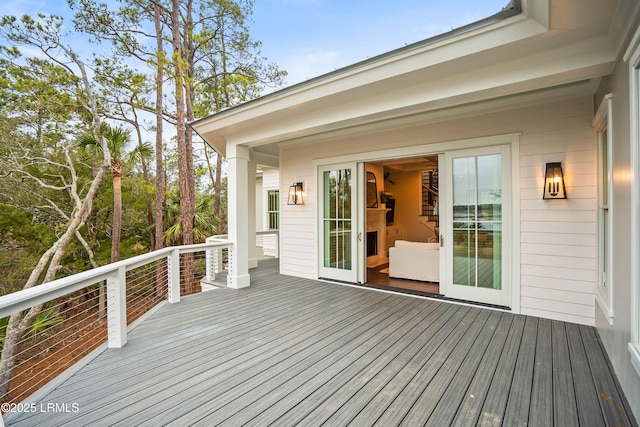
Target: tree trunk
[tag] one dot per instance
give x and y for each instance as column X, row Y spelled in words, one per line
column 116, row 228
column 159, row 198
column 185, row 156
column 147, row 182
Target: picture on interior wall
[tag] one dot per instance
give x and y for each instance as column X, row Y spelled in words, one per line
column 372, row 190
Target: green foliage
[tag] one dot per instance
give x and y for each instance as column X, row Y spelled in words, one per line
column 47, row 318
column 22, row 240
column 205, row 222
column 45, row 110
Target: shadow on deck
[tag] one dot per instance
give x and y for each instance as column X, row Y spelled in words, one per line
column 290, row 351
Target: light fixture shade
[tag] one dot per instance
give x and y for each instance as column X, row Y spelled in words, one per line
column 554, row 187
column 295, row 194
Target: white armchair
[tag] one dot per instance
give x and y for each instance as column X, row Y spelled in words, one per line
column 415, row 261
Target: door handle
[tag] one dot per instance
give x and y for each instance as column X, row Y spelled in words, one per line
column 360, row 236
column 441, row 241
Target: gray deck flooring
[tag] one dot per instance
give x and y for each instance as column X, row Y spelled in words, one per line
column 288, row 351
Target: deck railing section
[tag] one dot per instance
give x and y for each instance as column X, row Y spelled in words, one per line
column 79, row 313
column 217, row 259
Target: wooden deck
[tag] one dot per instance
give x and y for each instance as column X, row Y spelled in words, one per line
column 289, row 351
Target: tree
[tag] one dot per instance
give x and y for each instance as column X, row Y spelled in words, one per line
column 116, row 139
column 205, row 222
column 214, row 65
column 73, row 89
column 225, row 67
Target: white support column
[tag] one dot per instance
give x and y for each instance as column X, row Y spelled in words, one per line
column 238, row 215
column 251, row 210
column 117, row 309
column 173, row 273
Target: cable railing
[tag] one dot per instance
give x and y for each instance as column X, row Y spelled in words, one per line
column 69, row 318
column 217, row 259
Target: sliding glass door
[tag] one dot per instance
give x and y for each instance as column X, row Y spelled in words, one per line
column 476, row 241
column 338, row 223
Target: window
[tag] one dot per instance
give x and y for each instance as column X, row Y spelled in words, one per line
column 604, row 292
column 273, row 209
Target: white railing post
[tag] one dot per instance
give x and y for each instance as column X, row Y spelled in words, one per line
column 117, row 309
column 218, row 260
column 173, row 271
column 210, row 255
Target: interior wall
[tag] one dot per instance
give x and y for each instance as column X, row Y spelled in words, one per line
column 558, row 244
column 407, row 190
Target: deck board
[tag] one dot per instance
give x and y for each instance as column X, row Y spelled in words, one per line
column 472, row 401
column 519, row 400
column 587, row 403
column 495, row 403
column 563, row 390
column 541, row 409
column 289, row 351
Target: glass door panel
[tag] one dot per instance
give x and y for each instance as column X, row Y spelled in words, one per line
column 338, row 225
column 476, row 205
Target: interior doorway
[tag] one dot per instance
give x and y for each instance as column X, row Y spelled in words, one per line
column 402, row 224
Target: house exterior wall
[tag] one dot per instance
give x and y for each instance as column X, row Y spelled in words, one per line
column 270, row 181
column 260, row 203
column 558, row 243
column 616, row 336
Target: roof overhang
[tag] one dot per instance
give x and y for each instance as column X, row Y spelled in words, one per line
column 547, row 48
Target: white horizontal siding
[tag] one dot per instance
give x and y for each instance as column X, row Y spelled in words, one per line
column 270, row 179
column 580, row 298
column 558, row 237
column 298, row 222
column 556, row 315
column 583, row 252
column 544, row 272
column 549, row 283
column 576, row 239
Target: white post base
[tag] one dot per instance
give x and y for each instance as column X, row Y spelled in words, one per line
column 237, row 282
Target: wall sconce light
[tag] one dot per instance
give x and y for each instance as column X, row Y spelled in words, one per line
column 295, row 194
column 554, row 182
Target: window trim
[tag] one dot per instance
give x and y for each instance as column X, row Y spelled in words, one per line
column 602, row 122
column 270, row 211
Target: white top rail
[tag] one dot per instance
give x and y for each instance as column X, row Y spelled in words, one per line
column 26, row 298
column 258, row 233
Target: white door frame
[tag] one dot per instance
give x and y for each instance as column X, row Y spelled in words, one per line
column 351, row 273
column 501, row 297
column 512, row 139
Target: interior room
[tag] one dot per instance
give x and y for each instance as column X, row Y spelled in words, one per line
column 403, row 225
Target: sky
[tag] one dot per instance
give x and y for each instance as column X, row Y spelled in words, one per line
column 308, row 38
